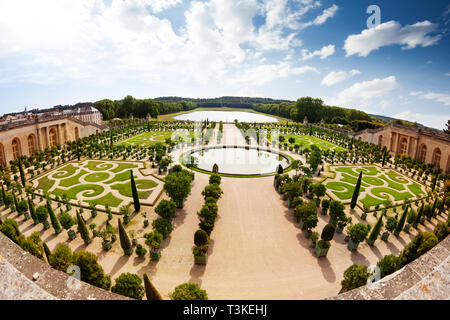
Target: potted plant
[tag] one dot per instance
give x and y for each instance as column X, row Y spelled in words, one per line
column 93, row 210
column 153, row 240
column 144, row 215
column 140, row 251
column 323, row 245
column 200, row 249
column 325, row 206
column 125, row 211
column 132, row 234
column 391, row 223
column 357, row 233
column 314, row 237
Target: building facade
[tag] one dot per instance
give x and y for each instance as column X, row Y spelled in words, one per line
column 38, row 133
column 422, row 145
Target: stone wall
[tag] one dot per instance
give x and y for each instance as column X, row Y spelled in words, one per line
column 426, row 278
column 17, row 268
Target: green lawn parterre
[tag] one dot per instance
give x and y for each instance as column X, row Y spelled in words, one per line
column 377, row 185
column 97, row 182
column 147, row 139
column 307, row 141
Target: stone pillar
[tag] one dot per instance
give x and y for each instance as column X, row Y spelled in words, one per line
column 39, row 139
column 47, row 141
column 58, row 133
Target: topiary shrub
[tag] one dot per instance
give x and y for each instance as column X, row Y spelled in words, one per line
column 421, row 243
column 162, row 226
column 442, row 230
column 189, row 291
column 129, row 285
column 388, row 264
column 355, row 276
column 201, row 238
column 61, row 258
column 166, row 209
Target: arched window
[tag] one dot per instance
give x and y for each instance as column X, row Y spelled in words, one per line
column 77, row 135
column 422, row 152
column 436, row 158
column 32, row 144
column 448, row 164
column 52, row 137
column 403, row 146
column 2, row 155
column 17, row 152
column 380, row 141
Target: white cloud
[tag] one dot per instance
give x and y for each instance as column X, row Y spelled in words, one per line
column 336, row 77
column 447, row 74
column 429, row 120
column 161, row 5
column 439, row 97
column 321, row 19
column 363, row 94
column 323, row 53
column 390, row 33
column 262, row 74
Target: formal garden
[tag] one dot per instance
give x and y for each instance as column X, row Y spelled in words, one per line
column 122, row 193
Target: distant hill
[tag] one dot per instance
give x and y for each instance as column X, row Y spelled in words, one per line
column 389, row 119
column 227, row 101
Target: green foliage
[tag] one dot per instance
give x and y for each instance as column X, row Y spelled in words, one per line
column 201, row 238
column 22, row 206
column 150, row 291
column 129, row 285
column 215, row 179
column 153, row 239
column 356, row 192
column 178, row 185
column 82, row 229
column 376, row 229
column 212, row 190
column 32, row 209
column 66, row 220
column 10, row 228
column 306, row 209
column 61, row 258
column 189, row 291
column 402, row 220
column 391, row 223
column 163, row 226
column 421, row 243
column 388, row 264
column 442, row 230
column 137, row 205
column 358, row 232
column 355, row 276
column 125, row 242
column 53, row 219
column 140, row 250
column 328, row 232
column 42, row 214
column 32, row 244
column 319, row 189
column 91, row 271
column 166, row 209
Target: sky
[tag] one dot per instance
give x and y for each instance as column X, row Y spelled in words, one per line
column 59, row 52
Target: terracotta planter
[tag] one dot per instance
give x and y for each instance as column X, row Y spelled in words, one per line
column 352, row 245
column 201, row 259
column 321, row 252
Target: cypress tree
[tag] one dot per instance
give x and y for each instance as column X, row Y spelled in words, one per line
column 433, row 209
column 32, row 211
column 53, row 218
column 137, row 205
column 78, row 151
column 384, row 157
column 150, row 290
column 111, row 137
column 22, row 174
column 3, row 194
column 356, row 191
column 15, row 200
column 434, row 182
column 419, row 215
column 82, row 229
column 47, row 251
column 125, row 242
column 375, row 231
column 401, row 222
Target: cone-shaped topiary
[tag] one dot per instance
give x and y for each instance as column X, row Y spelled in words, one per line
column 22, row 174
column 375, row 231
column 78, row 151
column 15, row 200
column 328, row 232
column 53, row 218
column 200, row 238
column 434, row 183
column 356, row 192
column 125, row 242
column 82, row 229
column 3, row 195
column 419, row 214
column 32, row 211
column 47, row 251
column 137, row 205
column 150, row 291
column 401, row 222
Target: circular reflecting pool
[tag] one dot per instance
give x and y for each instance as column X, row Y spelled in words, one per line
column 238, row 160
column 225, row 116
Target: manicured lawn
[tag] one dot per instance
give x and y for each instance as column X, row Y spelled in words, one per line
column 45, row 183
column 109, row 199
column 86, row 190
column 65, row 172
column 123, row 166
column 398, row 196
column 396, row 177
column 416, row 189
column 392, row 184
column 96, row 177
column 343, row 191
column 125, row 188
column 72, row 180
column 307, row 141
column 98, row 166
column 123, row 176
column 148, row 138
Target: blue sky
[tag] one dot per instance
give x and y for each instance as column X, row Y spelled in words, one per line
column 63, row 52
